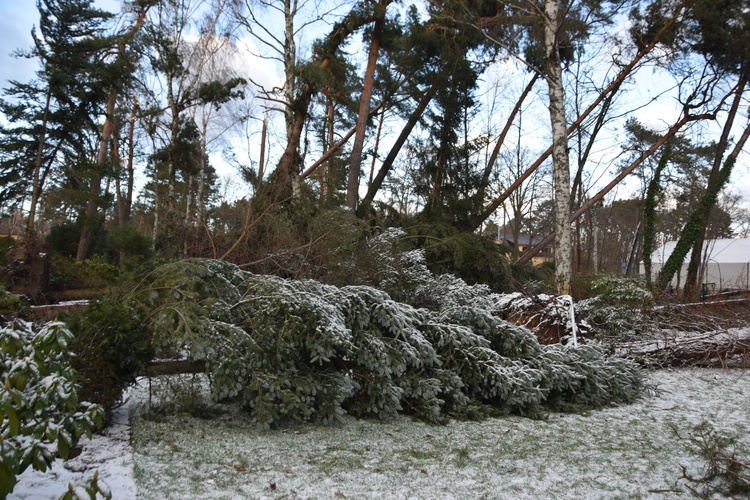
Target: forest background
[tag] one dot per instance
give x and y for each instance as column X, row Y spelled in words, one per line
column 239, row 130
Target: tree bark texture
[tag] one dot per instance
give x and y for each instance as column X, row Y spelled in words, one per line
column 560, row 161
column 355, row 161
column 696, row 258
column 728, row 348
column 689, row 233
column 36, row 188
column 387, row 164
column 84, row 243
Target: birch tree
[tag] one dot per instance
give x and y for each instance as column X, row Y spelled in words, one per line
column 181, row 82
column 560, row 160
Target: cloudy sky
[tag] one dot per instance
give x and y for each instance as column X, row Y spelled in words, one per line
column 17, row 18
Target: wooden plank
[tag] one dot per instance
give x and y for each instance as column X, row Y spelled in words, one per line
column 156, row 368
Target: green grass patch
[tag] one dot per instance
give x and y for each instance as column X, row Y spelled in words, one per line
column 619, row 452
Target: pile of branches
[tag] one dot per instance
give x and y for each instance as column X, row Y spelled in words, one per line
column 719, row 348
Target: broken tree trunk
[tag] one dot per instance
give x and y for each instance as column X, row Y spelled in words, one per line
column 725, row 348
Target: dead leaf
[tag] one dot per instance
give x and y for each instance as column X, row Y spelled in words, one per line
column 239, row 467
column 339, row 494
column 286, row 471
column 273, row 486
column 423, row 471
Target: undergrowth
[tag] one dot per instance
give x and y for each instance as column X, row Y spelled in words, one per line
column 725, row 471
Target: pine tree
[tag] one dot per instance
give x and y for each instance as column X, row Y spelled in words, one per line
column 58, row 133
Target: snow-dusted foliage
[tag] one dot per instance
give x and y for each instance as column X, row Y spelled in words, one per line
column 38, row 401
column 306, row 351
column 406, row 278
column 615, row 308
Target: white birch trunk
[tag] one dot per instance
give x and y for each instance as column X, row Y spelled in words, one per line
column 561, row 168
column 290, row 63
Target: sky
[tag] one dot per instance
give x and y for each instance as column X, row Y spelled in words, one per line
column 16, row 20
column 17, row 17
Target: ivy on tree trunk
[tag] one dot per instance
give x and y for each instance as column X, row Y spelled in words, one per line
column 649, row 213
column 693, row 227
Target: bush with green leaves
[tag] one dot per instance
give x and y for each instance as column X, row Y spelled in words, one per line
column 93, row 272
column 302, row 350
column 133, row 248
column 615, row 309
column 39, row 404
column 112, row 348
column 63, row 239
column 13, row 306
column 6, row 243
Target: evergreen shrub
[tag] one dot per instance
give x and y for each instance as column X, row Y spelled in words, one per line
column 13, row 306
column 67, row 272
column 63, row 239
column 464, row 254
column 615, row 309
column 39, row 403
column 112, row 348
column 6, row 242
column 132, row 246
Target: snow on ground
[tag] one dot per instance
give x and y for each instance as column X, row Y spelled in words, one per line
column 109, row 453
column 622, row 452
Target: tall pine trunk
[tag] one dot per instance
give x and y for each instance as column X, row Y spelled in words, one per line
column 649, row 214
column 90, row 219
column 696, row 257
column 387, row 164
column 355, row 161
column 36, row 187
column 690, row 232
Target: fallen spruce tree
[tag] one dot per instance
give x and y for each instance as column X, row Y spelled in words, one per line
column 302, row 350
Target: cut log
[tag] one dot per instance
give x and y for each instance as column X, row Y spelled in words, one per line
column 726, row 348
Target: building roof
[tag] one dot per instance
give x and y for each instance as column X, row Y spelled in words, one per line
column 523, row 239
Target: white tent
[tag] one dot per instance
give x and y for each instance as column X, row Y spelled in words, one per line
column 726, row 264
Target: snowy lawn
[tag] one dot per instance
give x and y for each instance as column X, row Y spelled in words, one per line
column 625, row 452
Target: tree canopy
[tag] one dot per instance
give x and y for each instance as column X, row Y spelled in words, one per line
column 204, row 125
